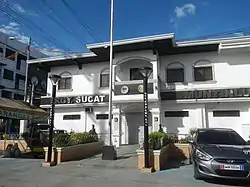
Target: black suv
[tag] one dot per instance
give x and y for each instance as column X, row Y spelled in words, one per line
column 220, row 153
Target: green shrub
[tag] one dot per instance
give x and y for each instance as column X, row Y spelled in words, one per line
column 158, row 139
column 192, row 131
column 82, row 138
column 61, row 140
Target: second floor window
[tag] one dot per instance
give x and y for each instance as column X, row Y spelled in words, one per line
column 65, row 83
column 9, row 75
column 203, row 71
column 175, row 73
column 104, row 78
column 135, row 74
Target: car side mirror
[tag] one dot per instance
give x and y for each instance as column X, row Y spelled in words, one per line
column 191, row 142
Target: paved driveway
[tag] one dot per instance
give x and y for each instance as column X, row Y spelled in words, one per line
column 94, row 172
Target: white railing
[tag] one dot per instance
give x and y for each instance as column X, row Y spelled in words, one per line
column 135, row 82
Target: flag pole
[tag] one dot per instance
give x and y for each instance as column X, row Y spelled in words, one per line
column 111, row 72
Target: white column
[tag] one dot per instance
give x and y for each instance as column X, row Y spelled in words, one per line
column 23, row 126
column 116, row 127
column 155, row 69
column 156, row 118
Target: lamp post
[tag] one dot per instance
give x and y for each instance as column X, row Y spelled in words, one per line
column 146, row 72
column 54, row 80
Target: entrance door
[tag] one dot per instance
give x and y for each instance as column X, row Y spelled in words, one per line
column 134, row 121
column 135, row 124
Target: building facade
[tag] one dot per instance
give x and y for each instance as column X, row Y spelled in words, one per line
column 13, row 58
column 194, row 84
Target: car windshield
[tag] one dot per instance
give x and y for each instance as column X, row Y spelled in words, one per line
column 220, row 137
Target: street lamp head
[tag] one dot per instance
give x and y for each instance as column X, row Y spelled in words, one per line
column 54, row 78
column 146, row 71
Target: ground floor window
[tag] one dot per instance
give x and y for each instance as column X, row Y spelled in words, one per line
column 102, row 116
column 176, row 113
column 226, row 113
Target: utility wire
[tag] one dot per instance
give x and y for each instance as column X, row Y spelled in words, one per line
column 226, row 33
column 50, row 38
column 84, row 25
column 69, row 31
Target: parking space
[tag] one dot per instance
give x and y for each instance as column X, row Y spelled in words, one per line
column 95, row 172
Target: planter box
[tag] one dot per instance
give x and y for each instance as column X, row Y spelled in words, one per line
column 163, row 156
column 22, row 145
column 75, row 152
column 141, row 161
column 185, row 148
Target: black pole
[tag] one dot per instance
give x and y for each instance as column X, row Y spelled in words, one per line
column 145, row 99
column 52, row 112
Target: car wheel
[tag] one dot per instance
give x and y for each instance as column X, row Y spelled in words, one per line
column 197, row 173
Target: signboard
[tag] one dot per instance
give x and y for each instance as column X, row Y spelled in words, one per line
column 18, row 115
column 76, row 99
column 206, row 94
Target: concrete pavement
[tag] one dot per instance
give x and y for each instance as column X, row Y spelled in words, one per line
column 94, row 172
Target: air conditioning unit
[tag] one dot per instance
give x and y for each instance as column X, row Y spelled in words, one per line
column 89, row 110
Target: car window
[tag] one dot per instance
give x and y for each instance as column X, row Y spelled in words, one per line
column 220, row 137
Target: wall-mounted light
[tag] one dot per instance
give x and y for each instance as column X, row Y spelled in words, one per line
column 116, row 119
column 155, row 119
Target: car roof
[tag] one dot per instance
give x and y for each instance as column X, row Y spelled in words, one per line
column 214, row 129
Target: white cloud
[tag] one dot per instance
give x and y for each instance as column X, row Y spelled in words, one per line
column 13, row 29
column 19, row 8
column 238, row 34
column 185, row 10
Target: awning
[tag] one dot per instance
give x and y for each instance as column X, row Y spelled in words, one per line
column 20, row 110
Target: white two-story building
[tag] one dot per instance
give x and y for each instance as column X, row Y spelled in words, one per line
column 194, row 84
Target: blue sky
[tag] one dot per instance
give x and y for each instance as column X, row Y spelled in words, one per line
column 133, row 18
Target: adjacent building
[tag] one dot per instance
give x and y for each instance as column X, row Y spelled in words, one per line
column 194, row 84
column 13, row 56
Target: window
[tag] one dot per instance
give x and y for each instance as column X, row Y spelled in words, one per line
column 135, row 74
column 203, row 71
column 222, row 137
column 65, row 83
column 6, row 94
column 203, row 74
column 175, row 73
column 176, row 113
column 1, row 52
column 10, row 54
column 18, row 97
column 7, row 74
column 226, row 113
column 71, row 117
column 18, row 64
column 102, row 116
column 104, row 78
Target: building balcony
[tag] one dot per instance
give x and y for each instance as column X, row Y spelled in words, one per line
column 132, row 91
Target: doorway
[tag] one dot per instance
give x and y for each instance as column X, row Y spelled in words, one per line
column 135, row 126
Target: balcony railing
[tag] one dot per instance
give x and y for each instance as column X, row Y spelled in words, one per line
column 133, row 87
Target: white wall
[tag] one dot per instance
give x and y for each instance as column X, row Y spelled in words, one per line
column 230, row 69
column 85, row 123
column 84, row 81
column 181, row 125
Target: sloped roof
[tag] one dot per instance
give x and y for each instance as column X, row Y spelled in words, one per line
column 21, row 107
